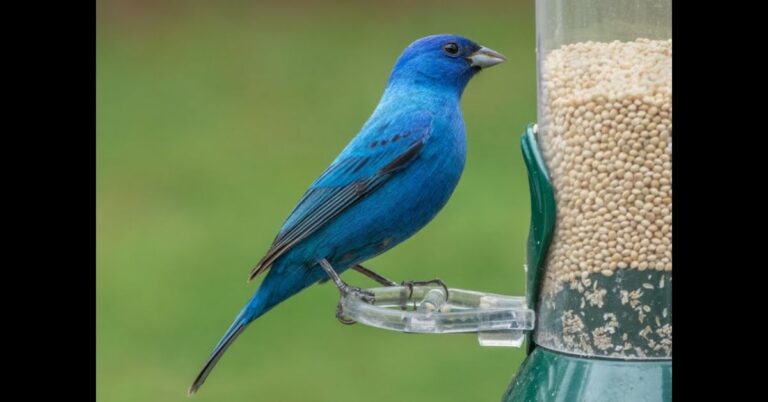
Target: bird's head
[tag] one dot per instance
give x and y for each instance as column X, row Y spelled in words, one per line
column 442, row 61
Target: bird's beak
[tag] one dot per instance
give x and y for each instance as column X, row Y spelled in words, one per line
column 485, row 58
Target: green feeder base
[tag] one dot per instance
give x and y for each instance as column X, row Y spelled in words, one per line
column 550, row 376
column 547, row 375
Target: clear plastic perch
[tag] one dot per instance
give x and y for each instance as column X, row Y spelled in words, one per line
column 498, row 320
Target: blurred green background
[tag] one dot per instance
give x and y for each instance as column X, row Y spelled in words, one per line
column 212, row 119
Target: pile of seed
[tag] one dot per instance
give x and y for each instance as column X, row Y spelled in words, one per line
column 606, row 136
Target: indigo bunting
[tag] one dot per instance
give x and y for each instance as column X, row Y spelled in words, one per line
column 388, row 183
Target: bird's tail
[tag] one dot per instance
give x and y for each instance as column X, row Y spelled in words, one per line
column 254, row 309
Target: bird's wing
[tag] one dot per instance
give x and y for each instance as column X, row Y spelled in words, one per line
column 367, row 162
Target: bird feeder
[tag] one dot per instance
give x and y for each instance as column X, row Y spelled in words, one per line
column 597, row 315
column 600, row 169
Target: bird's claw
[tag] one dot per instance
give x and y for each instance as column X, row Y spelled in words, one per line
column 340, row 315
column 364, row 295
column 411, row 284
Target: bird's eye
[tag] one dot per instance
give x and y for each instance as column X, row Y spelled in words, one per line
column 451, row 48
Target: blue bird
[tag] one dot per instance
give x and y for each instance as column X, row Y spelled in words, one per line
column 387, row 184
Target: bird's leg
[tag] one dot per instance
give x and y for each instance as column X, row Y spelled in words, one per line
column 344, row 290
column 374, row 276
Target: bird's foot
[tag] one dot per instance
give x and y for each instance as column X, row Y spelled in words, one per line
column 347, row 291
column 364, row 295
column 411, row 284
column 340, row 315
